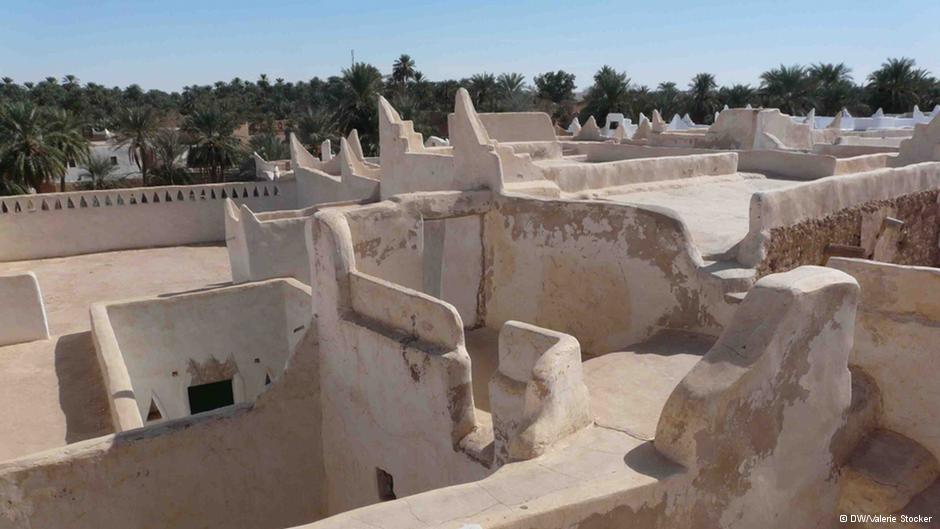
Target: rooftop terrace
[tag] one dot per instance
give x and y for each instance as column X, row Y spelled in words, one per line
column 56, row 383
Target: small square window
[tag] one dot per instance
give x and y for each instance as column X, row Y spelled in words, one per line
column 206, row 397
column 114, row 160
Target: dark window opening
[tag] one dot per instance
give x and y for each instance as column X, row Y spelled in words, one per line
column 614, row 125
column 153, row 414
column 114, row 160
column 205, row 397
column 386, row 484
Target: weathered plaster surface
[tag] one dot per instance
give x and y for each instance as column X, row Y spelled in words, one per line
column 597, row 271
column 896, row 334
column 805, row 242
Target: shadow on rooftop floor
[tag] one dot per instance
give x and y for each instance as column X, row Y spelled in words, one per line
column 82, row 396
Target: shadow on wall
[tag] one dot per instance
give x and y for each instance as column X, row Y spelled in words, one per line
column 81, row 389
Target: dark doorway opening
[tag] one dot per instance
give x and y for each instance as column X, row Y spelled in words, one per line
column 386, row 485
column 205, row 397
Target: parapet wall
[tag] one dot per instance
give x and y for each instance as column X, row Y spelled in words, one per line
column 516, row 126
column 608, row 274
column 268, row 245
column 806, row 165
column 63, row 224
column 792, row 226
column 896, row 336
column 145, row 365
column 765, row 405
column 255, row 466
column 574, row 177
column 395, row 371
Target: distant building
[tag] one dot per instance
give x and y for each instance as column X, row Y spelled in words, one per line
column 105, row 145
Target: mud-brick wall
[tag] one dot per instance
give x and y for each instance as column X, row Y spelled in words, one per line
column 805, row 243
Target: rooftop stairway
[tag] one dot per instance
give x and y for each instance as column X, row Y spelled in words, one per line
column 885, row 473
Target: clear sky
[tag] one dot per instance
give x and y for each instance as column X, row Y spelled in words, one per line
column 168, row 44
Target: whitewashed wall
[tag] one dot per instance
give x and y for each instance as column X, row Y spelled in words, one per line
column 62, row 224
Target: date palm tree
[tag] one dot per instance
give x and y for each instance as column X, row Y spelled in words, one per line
column 66, row 134
column 787, row 88
column 360, row 87
column 31, row 146
column 609, row 93
column 703, row 97
column 403, row 70
column 483, row 88
column 214, row 146
column 169, row 151
column 97, row 169
column 899, row 85
column 832, row 87
column 514, row 96
column 136, row 127
column 737, row 96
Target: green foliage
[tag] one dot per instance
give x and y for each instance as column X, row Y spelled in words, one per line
column 609, row 93
column 788, row 88
column 213, row 146
column 899, row 85
column 703, row 98
column 96, row 170
column 36, row 144
column 54, row 114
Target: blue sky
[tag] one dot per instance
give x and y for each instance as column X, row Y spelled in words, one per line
column 168, row 44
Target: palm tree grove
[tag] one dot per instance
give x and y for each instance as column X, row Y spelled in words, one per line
column 190, row 136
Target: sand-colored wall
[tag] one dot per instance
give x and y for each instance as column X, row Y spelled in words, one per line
column 243, row 333
column 575, row 176
column 610, row 152
column 772, row 395
column 61, row 224
column 516, row 126
column 22, row 312
column 607, row 274
column 774, row 213
column 395, row 375
column 431, row 248
column 806, row 165
column 318, row 187
column 268, row 245
column 847, row 149
column 245, row 467
column 896, row 336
